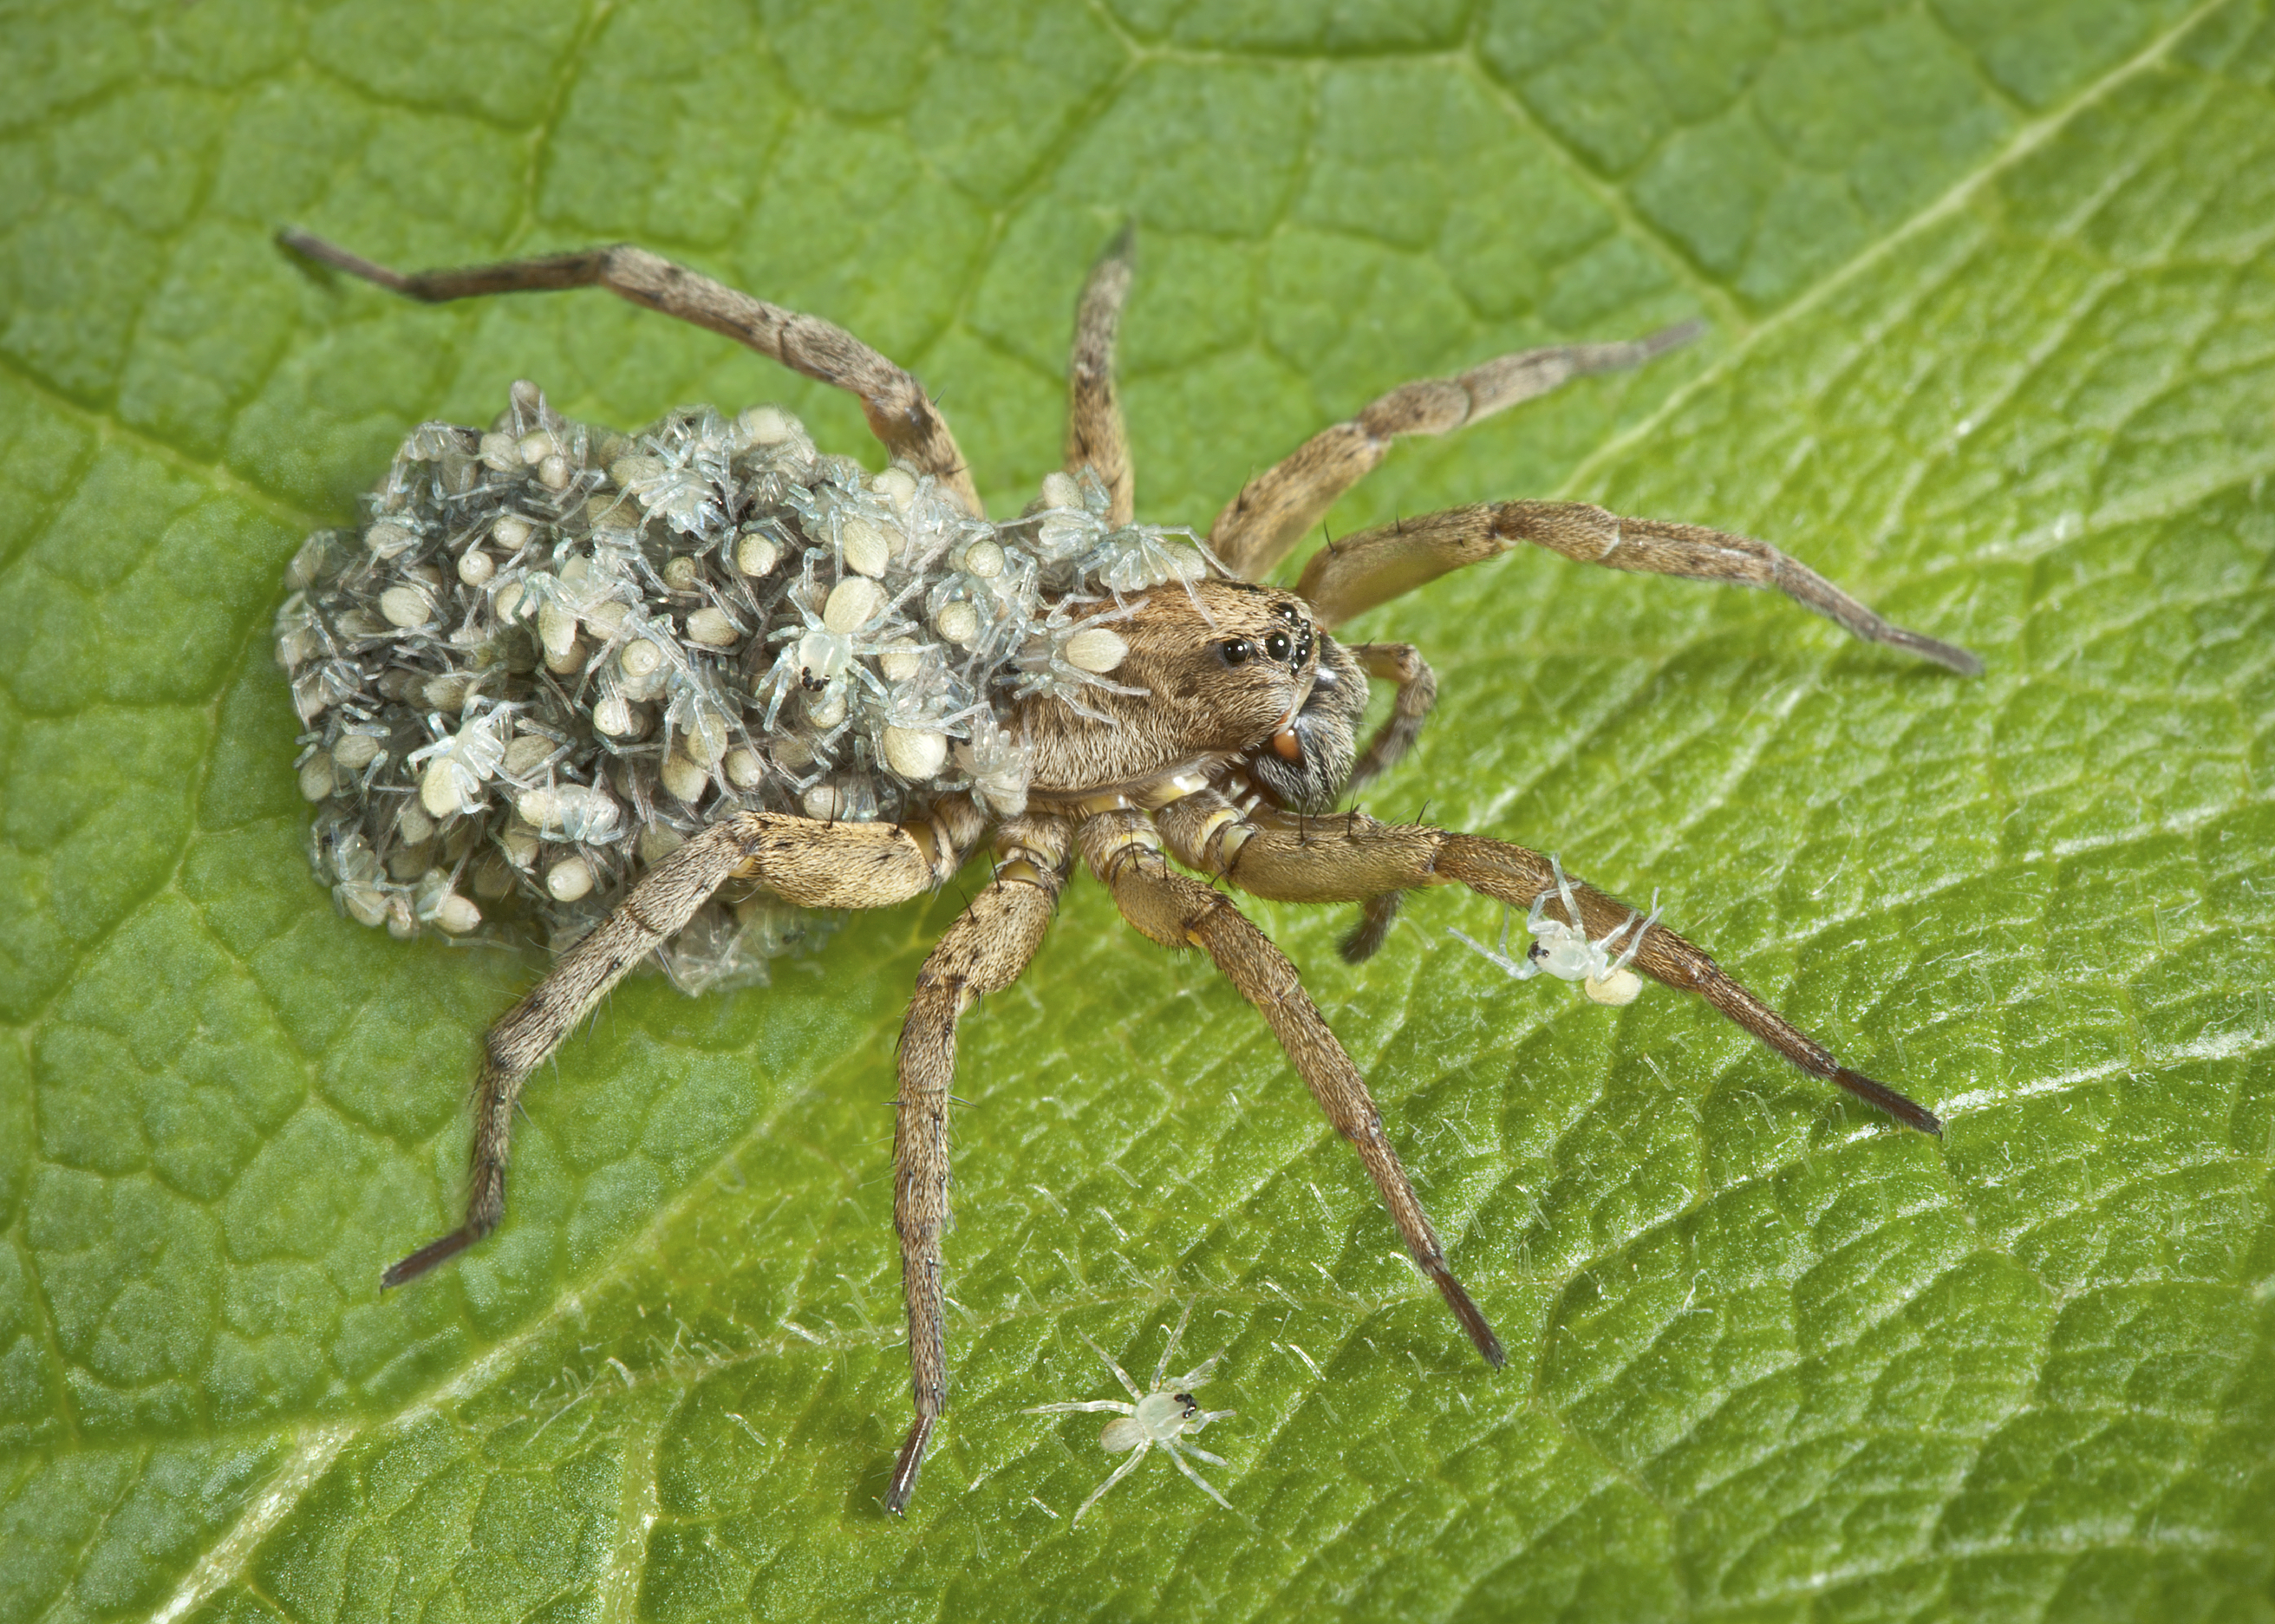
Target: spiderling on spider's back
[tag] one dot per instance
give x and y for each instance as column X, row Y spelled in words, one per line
column 555, row 652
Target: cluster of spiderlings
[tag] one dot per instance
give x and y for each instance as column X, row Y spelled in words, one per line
column 554, row 651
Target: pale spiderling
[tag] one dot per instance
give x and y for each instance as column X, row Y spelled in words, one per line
column 1563, row 950
column 1166, row 1414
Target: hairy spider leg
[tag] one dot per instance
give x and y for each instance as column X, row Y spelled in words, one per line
column 1124, row 850
column 898, row 411
column 1376, row 916
column 811, row 864
column 983, row 951
column 1351, row 857
column 1414, row 693
column 1354, row 574
column 1095, row 437
column 1262, row 524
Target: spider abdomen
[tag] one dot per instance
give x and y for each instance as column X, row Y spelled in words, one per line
column 552, row 652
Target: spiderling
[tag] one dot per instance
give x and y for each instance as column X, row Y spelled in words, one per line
column 1165, row 1414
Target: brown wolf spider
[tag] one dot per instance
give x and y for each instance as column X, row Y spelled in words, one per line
column 1225, row 742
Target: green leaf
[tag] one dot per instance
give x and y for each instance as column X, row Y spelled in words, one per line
column 1991, row 291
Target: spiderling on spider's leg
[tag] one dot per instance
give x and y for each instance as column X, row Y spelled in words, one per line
column 656, row 695
column 1564, row 950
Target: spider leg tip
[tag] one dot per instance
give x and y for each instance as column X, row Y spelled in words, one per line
column 904, row 1484
column 1673, row 337
column 1906, row 1110
column 427, row 1256
column 1471, row 1318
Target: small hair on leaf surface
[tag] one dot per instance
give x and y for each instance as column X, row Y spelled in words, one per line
column 676, row 695
column 1165, row 1414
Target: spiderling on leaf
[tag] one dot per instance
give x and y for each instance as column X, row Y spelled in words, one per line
column 1166, row 1414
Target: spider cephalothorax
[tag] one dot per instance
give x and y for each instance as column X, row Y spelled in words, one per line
column 1215, row 669
column 606, row 681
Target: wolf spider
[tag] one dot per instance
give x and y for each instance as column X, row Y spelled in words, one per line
column 1229, row 757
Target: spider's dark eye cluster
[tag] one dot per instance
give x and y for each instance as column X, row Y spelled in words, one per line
column 1291, row 647
column 1294, row 645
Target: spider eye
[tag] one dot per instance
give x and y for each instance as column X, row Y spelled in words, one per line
column 1278, row 645
column 1236, row 650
